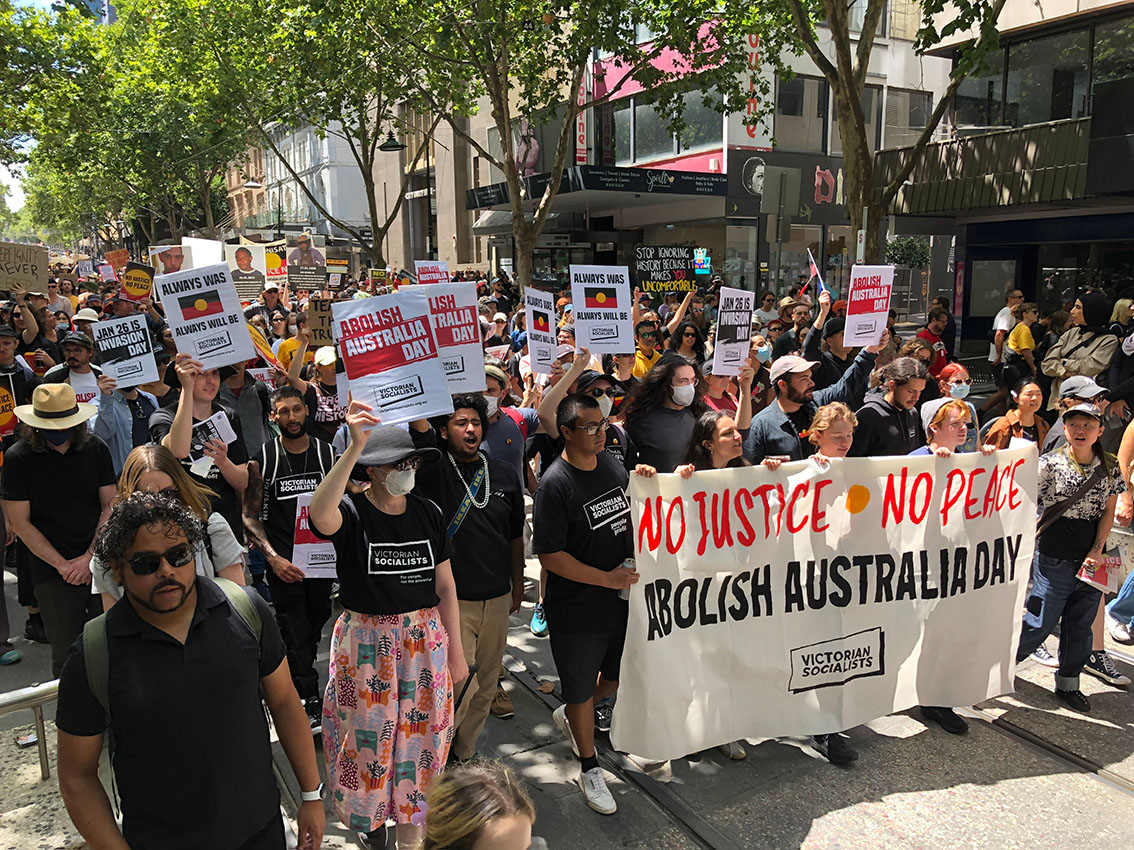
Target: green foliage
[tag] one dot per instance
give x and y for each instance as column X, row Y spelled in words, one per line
column 910, row 251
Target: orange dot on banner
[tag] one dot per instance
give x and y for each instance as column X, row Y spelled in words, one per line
column 858, row 497
column 200, row 303
column 274, row 261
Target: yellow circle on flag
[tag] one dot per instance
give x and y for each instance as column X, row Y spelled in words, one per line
column 858, row 497
column 200, row 304
column 601, row 297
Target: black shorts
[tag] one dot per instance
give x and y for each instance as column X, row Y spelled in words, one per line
column 998, row 374
column 581, row 656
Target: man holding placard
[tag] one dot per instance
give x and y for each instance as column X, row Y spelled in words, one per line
column 282, row 475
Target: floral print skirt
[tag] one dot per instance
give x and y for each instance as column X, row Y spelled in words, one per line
column 387, row 716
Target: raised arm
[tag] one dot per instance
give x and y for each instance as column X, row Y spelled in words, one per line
column 179, row 438
column 558, row 391
column 679, row 313
column 324, row 508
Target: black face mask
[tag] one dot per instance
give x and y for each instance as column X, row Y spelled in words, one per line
column 56, row 438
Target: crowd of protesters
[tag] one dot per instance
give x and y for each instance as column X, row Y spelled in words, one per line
column 111, row 505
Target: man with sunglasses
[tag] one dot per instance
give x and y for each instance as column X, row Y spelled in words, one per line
column 185, row 667
column 646, row 354
column 481, row 498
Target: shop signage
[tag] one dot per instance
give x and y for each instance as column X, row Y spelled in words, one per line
column 822, row 193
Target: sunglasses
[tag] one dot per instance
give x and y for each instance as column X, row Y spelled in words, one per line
column 609, row 392
column 690, row 333
column 647, row 334
column 148, row 563
column 958, row 381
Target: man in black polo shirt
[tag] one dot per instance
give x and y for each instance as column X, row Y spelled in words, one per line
column 184, row 669
column 582, row 534
column 281, row 476
column 57, row 488
column 482, row 503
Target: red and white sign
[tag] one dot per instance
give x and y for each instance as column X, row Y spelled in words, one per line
column 868, row 304
column 431, row 271
column 390, row 355
column 313, row 555
column 581, row 124
column 456, row 327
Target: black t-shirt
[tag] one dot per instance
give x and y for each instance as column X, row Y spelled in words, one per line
column 227, row 501
column 482, row 556
column 286, row 476
column 198, row 705
column 662, row 437
column 324, row 413
column 587, row 515
column 386, row 563
column 62, row 492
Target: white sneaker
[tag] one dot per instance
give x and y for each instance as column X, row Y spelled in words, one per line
column 1119, row 631
column 596, row 793
column 733, row 750
column 560, row 718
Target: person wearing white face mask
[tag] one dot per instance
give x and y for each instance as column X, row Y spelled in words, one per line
column 396, row 652
column 662, row 411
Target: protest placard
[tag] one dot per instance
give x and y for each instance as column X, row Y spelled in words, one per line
column 264, row 348
column 306, row 264
column 868, row 304
column 817, row 598
column 734, row 330
column 262, row 375
column 431, row 271
column 319, row 320
column 23, row 265
column 275, row 261
column 203, row 311
column 601, row 296
column 500, row 352
column 137, row 282
column 378, row 277
column 84, row 268
column 125, row 350
column 201, row 252
column 390, row 355
column 664, row 268
column 117, row 258
column 247, row 264
column 167, row 259
column 539, row 309
column 8, row 419
column 313, row 555
column 456, row 328
column 106, row 273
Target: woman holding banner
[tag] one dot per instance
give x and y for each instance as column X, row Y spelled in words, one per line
column 396, row 649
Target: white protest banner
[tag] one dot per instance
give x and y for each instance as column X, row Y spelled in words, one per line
column 262, row 375
column 540, row 311
column 23, row 265
column 868, row 304
column 431, row 271
column 811, row 600
column 106, row 273
column 125, row 350
column 84, row 268
column 390, row 355
column 201, row 252
column 456, row 328
column 601, row 296
column 313, row 555
column 734, row 330
column 203, row 311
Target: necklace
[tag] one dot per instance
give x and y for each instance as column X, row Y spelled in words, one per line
column 487, row 490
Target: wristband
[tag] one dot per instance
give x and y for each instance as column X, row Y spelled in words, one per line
column 312, row 796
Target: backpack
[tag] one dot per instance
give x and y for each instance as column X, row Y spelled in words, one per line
column 95, row 654
column 518, row 418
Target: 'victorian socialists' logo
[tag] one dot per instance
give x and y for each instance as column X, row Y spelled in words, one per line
column 838, row 661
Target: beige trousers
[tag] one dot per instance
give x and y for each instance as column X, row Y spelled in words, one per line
column 484, row 635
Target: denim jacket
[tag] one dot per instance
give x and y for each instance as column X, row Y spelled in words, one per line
column 114, row 423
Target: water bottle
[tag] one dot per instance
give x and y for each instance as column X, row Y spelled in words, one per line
column 628, row 564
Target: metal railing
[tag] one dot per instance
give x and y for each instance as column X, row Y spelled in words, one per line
column 35, row 698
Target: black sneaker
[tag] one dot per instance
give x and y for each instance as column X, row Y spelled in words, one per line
column 1076, row 700
column 946, row 718
column 603, row 715
column 314, row 710
column 33, row 629
column 1101, row 665
column 834, row 748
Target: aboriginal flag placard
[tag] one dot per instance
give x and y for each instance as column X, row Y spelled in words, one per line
column 601, row 295
column 203, row 311
column 539, row 308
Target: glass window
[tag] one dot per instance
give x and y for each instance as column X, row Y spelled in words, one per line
column 856, row 15
column 980, row 97
column 801, row 114
column 621, row 152
column 907, row 113
column 1047, row 79
column 1114, row 58
column 789, row 262
column 872, row 112
column 838, row 258
column 703, row 125
column 652, row 138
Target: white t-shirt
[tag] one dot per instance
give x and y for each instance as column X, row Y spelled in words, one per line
column 226, row 550
column 84, row 385
column 766, row 316
column 1004, row 321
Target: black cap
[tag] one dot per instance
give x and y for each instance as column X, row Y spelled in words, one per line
column 77, row 338
column 588, row 378
column 9, row 331
column 834, row 326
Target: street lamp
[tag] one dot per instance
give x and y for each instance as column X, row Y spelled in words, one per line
column 392, row 145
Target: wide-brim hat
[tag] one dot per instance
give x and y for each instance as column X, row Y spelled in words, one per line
column 54, row 407
column 390, row 444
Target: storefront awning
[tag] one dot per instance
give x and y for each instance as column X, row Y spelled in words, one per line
column 499, row 223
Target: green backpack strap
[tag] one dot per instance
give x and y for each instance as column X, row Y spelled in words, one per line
column 242, row 604
column 97, row 663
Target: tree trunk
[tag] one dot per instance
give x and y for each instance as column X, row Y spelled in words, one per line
column 523, row 263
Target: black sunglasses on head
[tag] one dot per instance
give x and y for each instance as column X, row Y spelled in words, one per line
column 148, row 563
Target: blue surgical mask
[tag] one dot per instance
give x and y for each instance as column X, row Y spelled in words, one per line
column 54, row 437
column 959, row 390
column 764, row 353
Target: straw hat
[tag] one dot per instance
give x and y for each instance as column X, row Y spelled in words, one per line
column 54, row 407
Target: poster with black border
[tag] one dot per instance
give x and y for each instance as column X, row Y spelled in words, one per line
column 602, row 308
column 204, row 314
column 539, row 308
column 734, row 330
column 125, row 350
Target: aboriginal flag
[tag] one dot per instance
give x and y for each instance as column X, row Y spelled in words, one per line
column 200, row 305
column 541, row 322
column 600, row 297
